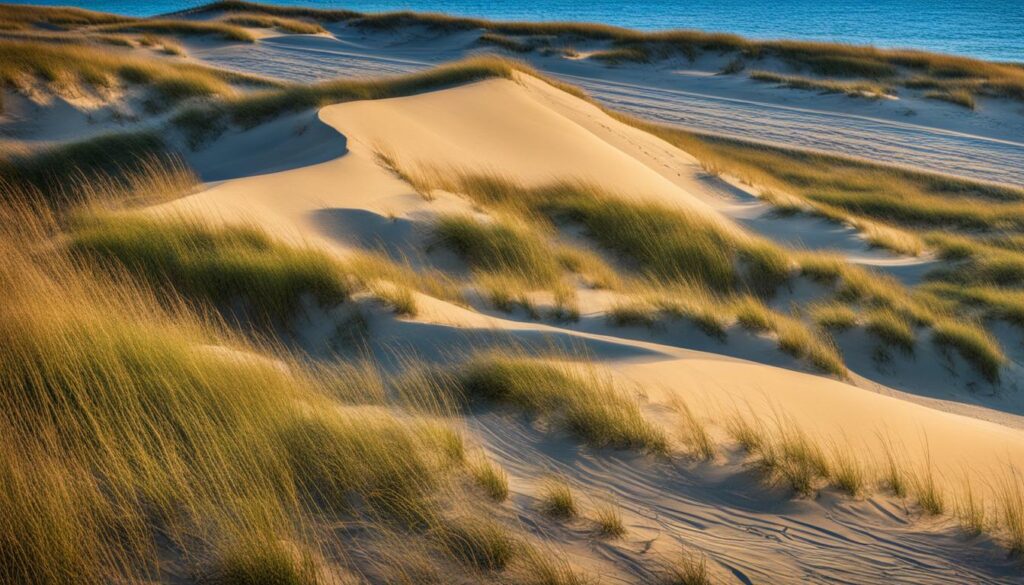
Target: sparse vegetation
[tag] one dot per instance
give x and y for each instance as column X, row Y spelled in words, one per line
column 70, row 68
column 974, row 344
column 851, row 88
column 491, row 478
column 960, row 97
column 170, row 26
column 505, row 42
column 291, row 25
column 608, row 517
column 557, row 499
column 690, row 568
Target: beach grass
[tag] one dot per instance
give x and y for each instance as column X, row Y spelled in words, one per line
column 865, row 89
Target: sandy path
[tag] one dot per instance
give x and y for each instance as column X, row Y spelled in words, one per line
column 981, row 148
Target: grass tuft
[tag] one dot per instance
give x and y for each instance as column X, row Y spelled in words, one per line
column 584, row 400
column 490, row 477
column 557, row 499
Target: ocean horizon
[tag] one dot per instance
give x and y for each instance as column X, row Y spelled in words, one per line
column 984, row 29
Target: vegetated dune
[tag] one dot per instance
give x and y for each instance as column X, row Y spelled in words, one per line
column 520, row 130
column 361, row 199
column 497, row 264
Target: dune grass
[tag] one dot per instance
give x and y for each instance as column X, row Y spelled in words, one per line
column 667, row 243
column 292, row 25
column 898, row 66
column 499, row 246
column 59, row 16
column 835, row 316
column 620, row 55
column 689, row 568
column 134, row 435
column 171, row 26
column 851, row 88
column 220, row 265
column 892, row 329
column 186, row 444
column 974, row 344
column 123, row 167
column 960, row 97
column 695, row 434
column 557, row 499
column 608, row 518
column 853, row 191
column 581, row 399
column 490, row 478
column 505, row 42
column 72, row 68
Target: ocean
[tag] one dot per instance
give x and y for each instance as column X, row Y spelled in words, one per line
column 987, row 29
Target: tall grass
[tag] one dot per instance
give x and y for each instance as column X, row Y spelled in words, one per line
column 581, row 399
column 171, row 26
column 70, row 68
column 291, row 25
column 851, row 88
column 119, row 169
column 221, row 265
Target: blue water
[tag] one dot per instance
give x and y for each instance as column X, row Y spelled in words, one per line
column 987, row 29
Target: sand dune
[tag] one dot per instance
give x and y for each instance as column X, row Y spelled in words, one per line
column 983, row 145
column 534, row 133
column 318, row 179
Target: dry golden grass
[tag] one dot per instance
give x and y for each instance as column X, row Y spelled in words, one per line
column 73, row 68
column 865, row 89
column 254, row 20
column 577, row 396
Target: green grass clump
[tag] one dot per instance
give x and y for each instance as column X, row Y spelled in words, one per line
column 834, row 316
column 478, row 543
column 689, row 568
column 218, row 264
column 369, row 457
column 505, row 42
column 557, row 499
column 583, row 400
column 171, row 26
column 291, row 25
column 608, row 517
column 850, row 88
column 891, row 328
column 261, row 562
column 620, row 55
column 114, row 168
column 632, row 314
column 974, row 344
column 490, row 477
column 501, row 247
column 996, row 302
column 960, row 97
column 68, row 68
